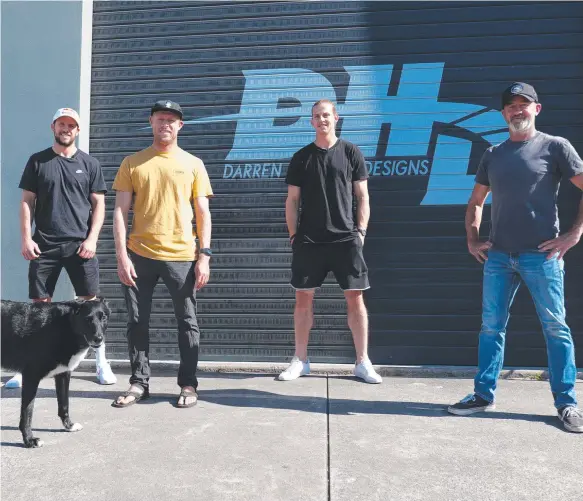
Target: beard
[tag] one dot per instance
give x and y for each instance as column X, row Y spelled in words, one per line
column 64, row 142
column 520, row 125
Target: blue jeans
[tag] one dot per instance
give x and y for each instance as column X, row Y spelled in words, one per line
column 544, row 279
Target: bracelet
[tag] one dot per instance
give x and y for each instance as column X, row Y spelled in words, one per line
column 292, row 237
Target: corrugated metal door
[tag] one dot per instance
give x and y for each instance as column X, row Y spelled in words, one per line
column 417, row 87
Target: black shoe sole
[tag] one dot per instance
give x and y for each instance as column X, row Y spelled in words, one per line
column 469, row 412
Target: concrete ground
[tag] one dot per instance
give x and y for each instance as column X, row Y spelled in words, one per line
column 318, row 438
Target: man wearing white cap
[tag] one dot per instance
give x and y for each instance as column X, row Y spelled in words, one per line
column 63, row 191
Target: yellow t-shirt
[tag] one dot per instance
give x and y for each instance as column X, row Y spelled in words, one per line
column 164, row 185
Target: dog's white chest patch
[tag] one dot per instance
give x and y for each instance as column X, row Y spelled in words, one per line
column 71, row 366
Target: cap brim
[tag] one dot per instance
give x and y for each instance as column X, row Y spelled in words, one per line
column 61, row 116
column 508, row 99
column 169, row 110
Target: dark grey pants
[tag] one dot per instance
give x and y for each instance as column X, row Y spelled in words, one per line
column 178, row 276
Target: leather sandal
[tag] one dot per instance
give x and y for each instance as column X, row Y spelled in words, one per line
column 138, row 395
column 187, row 393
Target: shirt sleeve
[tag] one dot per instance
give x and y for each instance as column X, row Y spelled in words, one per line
column 482, row 174
column 29, row 179
column 202, row 184
column 567, row 158
column 123, row 178
column 295, row 172
column 97, row 180
column 359, row 170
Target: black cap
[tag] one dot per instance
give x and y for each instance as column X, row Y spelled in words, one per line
column 519, row 89
column 170, row 106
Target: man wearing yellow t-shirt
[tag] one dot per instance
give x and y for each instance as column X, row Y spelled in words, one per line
column 163, row 182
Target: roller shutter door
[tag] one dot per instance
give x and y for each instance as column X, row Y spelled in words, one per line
column 417, row 87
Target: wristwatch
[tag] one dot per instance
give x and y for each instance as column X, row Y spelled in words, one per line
column 206, row 251
column 362, row 231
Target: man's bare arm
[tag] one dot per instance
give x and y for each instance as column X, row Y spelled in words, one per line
column 362, row 203
column 203, row 231
column 89, row 246
column 577, row 228
column 203, row 221
column 123, row 202
column 560, row 245
column 29, row 248
column 125, row 267
column 292, row 207
column 474, row 220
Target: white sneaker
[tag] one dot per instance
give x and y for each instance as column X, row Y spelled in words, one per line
column 15, row 382
column 105, row 375
column 296, row 369
column 365, row 370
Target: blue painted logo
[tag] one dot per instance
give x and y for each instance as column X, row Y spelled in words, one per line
column 274, row 122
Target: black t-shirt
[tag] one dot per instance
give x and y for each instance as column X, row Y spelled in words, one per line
column 325, row 178
column 63, row 187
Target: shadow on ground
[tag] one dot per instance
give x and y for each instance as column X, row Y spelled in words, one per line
column 245, row 398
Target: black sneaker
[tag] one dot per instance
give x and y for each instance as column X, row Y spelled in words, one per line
column 470, row 405
column 572, row 418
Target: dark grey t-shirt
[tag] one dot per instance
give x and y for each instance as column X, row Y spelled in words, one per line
column 524, row 179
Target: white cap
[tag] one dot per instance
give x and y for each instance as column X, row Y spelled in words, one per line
column 67, row 112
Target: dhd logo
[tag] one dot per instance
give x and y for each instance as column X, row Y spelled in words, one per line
column 274, row 122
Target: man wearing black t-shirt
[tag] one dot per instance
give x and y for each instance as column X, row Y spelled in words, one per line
column 322, row 178
column 63, row 191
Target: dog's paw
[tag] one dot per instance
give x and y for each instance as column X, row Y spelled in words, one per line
column 33, row 443
column 70, row 426
column 74, row 427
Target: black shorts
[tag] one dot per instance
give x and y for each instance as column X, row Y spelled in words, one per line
column 44, row 271
column 312, row 262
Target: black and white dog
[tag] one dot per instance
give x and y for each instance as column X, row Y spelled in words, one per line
column 49, row 339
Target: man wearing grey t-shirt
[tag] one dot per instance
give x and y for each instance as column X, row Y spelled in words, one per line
column 523, row 174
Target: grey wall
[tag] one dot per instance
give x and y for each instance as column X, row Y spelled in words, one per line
column 41, row 65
